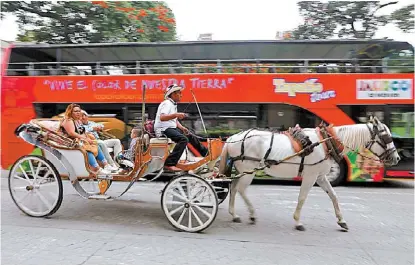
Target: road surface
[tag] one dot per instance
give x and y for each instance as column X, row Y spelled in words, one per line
column 133, row 230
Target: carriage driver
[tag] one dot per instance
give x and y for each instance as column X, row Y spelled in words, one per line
column 166, row 123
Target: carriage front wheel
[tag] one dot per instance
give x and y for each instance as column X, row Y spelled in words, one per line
column 190, row 203
column 35, row 186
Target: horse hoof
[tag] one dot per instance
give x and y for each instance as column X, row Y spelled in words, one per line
column 300, row 227
column 343, row 225
column 253, row 220
column 237, row 220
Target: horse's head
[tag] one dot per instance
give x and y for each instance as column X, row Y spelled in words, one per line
column 381, row 143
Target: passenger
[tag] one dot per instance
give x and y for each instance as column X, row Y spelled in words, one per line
column 134, row 134
column 93, row 127
column 127, row 157
column 130, row 153
column 167, row 123
column 72, row 127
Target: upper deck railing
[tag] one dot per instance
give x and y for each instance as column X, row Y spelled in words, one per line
column 385, row 65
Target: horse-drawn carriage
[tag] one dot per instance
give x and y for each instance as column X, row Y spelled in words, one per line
column 189, row 200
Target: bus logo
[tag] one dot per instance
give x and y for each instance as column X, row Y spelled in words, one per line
column 384, row 89
column 310, row 86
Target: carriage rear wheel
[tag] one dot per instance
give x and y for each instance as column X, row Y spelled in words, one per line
column 190, row 203
column 35, row 186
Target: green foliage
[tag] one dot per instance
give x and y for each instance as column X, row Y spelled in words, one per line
column 92, row 22
column 404, row 18
column 348, row 19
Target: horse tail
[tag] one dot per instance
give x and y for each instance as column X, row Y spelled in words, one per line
column 224, row 167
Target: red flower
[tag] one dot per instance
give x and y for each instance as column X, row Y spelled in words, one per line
column 163, row 28
column 143, row 13
column 101, row 3
column 170, row 20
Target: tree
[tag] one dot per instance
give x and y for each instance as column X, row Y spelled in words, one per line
column 348, row 19
column 96, row 21
column 404, row 18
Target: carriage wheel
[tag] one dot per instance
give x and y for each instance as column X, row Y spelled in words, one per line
column 190, row 203
column 35, row 186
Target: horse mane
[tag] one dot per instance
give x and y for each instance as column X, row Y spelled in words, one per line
column 353, row 136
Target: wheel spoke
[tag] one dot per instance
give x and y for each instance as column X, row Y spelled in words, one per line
column 33, row 170
column 23, row 198
column 43, row 199
column 45, row 176
column 205, row 205
column 47, row 184
column 196, row 216
column 189, row 224
column 183, row 194
column 39, row 206
column 203, row 211
column 182, row 215
column 200, row 194
column 24, row 173
column 176, row 210
column 178, row 195
column 189, row 190
column 39, row 167
column 53, row 195
column 174, row 203
column 25, row 179
column 20, row 188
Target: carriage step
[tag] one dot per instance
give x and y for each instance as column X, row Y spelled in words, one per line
column 221, row 190
column 107, row 177
column 100, row 197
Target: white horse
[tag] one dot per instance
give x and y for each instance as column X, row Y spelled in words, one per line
column 374, row 135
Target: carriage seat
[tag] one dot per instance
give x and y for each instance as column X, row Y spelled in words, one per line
column 161, row 140
column 52, row 125
column 54, row 136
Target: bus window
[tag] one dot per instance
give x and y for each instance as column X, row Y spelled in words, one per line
column 402, row 121
column 220, row 119
column 283, row 116
column 224, row 125
column 362, row 113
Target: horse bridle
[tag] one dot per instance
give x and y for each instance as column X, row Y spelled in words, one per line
column 384, row 140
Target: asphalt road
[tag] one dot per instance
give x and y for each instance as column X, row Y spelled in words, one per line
column 133, row 230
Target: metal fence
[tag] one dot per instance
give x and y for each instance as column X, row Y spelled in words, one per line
column 401, row 65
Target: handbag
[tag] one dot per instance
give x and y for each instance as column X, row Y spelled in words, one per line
column 93, row 148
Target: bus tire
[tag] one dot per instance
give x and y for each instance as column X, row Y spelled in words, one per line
column 338, row 174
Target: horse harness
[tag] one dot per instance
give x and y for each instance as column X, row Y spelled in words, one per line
column 384, row 138
column 302, row 145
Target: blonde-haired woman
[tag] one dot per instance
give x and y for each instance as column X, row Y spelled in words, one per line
column 72, row 127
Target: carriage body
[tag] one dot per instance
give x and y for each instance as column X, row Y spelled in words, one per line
column 63, row 157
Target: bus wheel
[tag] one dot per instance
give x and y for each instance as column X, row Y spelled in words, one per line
column 337, row 174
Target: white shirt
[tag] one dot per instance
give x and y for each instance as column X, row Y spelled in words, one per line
column 168, row 106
